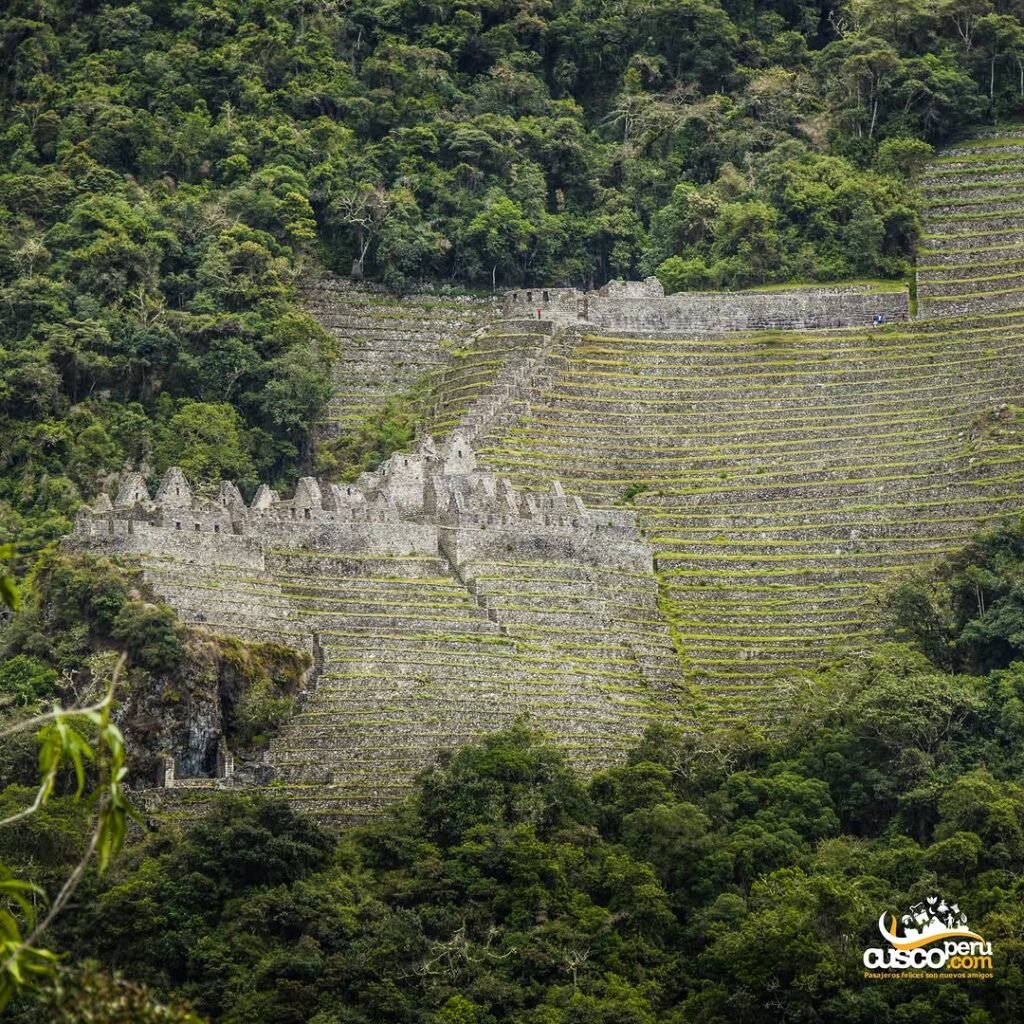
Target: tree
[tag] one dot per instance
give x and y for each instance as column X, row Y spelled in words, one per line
column 965, row 16
column 747, row 243
column 1002, row 36
column 298, row 389
column 208, row 441
column 504, row 235
column 863, row 70
column 687, row 221
column 407, row 245
column 27, row 680
column 366, row 209
column 902, row 156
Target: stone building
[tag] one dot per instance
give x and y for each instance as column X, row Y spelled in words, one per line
column 433, row 502
column 643, row 306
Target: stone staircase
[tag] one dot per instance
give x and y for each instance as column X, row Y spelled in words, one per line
column 508, row 396
column 414, row 655
column 536, row 354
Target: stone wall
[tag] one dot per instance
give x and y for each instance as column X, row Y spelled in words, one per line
column 558, row 530
column 971, row 259
column 643, row 306
column 159, row 539
column 387, row 343
column 398, row 511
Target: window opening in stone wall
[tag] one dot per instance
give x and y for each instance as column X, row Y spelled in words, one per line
column 545, row 296
column 177, row 524
column 197, row 527
column 308, row 513
column 216, row 528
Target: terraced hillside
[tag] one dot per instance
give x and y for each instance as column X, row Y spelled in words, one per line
column 411, row 658
column 971, row 259
column 410, row 666
column 495, row 362
column 781, row 476
column 388, row 343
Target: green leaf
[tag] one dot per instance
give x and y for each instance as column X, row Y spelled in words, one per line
column 9, row 593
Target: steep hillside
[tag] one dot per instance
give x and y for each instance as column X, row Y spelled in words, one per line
column 778, row 476
column 444, row 416
column 436, row 602
column 782, row 477
column 387, row 344
column 412, row 663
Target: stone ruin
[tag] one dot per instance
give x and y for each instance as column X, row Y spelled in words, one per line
column 435, row 502
column 643, row 306
column 436, row 602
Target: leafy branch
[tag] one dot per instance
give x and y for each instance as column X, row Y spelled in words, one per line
column 63, row 744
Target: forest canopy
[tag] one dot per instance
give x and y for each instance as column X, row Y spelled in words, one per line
column 170, row 170
column 732, row 876
column 528, row 140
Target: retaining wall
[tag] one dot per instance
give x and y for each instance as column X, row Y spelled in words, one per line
column 643, row 306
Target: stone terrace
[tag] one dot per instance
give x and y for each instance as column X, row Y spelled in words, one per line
column 971, row 259
column 782, row 476
column 413, row 663
column 388, row 343
column 437, row 602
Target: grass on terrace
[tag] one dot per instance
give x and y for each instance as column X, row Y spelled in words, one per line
column 758, row 440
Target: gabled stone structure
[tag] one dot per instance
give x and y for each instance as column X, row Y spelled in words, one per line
column 437, row 602
column 434, row 501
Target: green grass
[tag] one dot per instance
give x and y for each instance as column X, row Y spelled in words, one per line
column 866, row 285
column 1009, row 197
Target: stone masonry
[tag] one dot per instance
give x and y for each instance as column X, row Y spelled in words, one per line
column 434, row 502
column 643, row 306
column 437, row 601
column 971, row 259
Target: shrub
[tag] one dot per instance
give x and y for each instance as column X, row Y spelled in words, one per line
column 151, row 634
column 27, row 680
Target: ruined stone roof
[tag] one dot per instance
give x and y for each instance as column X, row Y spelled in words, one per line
column 441, row 484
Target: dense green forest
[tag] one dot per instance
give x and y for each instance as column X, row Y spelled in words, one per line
column 169, row 170
column 736, row 877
